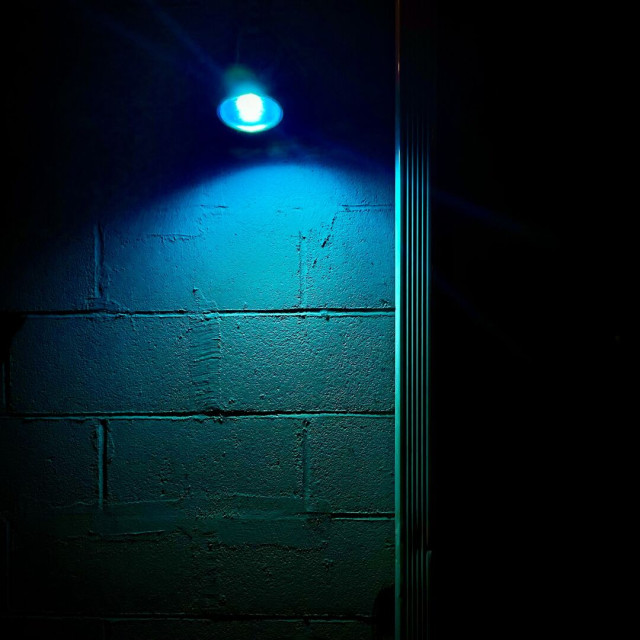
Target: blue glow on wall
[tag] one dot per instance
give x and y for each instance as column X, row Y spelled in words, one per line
column 250, row 112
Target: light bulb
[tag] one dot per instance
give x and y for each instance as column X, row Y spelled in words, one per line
column 250, row 112
column 250, row 108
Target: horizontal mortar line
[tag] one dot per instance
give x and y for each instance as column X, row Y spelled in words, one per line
column 177, row 519
column 199, row 415
column 368, row 206
column 172, row 616
column 361, row 515
column 179, row 313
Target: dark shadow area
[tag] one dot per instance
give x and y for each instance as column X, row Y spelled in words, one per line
column 384, row 614
column 528, row 352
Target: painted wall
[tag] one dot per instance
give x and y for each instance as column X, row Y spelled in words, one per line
column 196, row 436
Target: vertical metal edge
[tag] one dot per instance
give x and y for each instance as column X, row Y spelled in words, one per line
column 427, row 352
column 413, row 124
column 399, row 512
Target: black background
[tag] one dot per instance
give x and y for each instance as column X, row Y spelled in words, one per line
column 530, row 362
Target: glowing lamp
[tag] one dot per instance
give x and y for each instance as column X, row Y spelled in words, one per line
column 250, row 112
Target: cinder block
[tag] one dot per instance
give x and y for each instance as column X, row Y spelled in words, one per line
column 319, row 567
column 360, row 560
column 204, row 460
column 238, row 630
column 312, row 363
column 114, row 364
column 350, row 259
column 221, row 259
column 47, row 463
column 330, row 567
column 309, row 187
column 173, row 364
column 47, row 270
column 94, row 575
column 258, row 238
column 351, row 463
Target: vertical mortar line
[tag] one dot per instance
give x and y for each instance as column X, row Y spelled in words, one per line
column 306, row 489
column 304, row 271
column 300, row 276
column 98, row 260
column 218, row 391
column 102, row 430
column 105, row 460
column 100, row 448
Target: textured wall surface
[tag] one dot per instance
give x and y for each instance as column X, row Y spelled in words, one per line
column 196, row 436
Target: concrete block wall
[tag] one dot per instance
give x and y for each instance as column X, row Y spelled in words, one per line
column 197, row 430
column 196, row 327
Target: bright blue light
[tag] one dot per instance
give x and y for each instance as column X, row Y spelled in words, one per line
column 250, row 112
column 250, row 108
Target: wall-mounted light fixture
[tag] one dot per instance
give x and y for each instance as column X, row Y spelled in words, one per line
column 247, row 107
column 250, row 112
